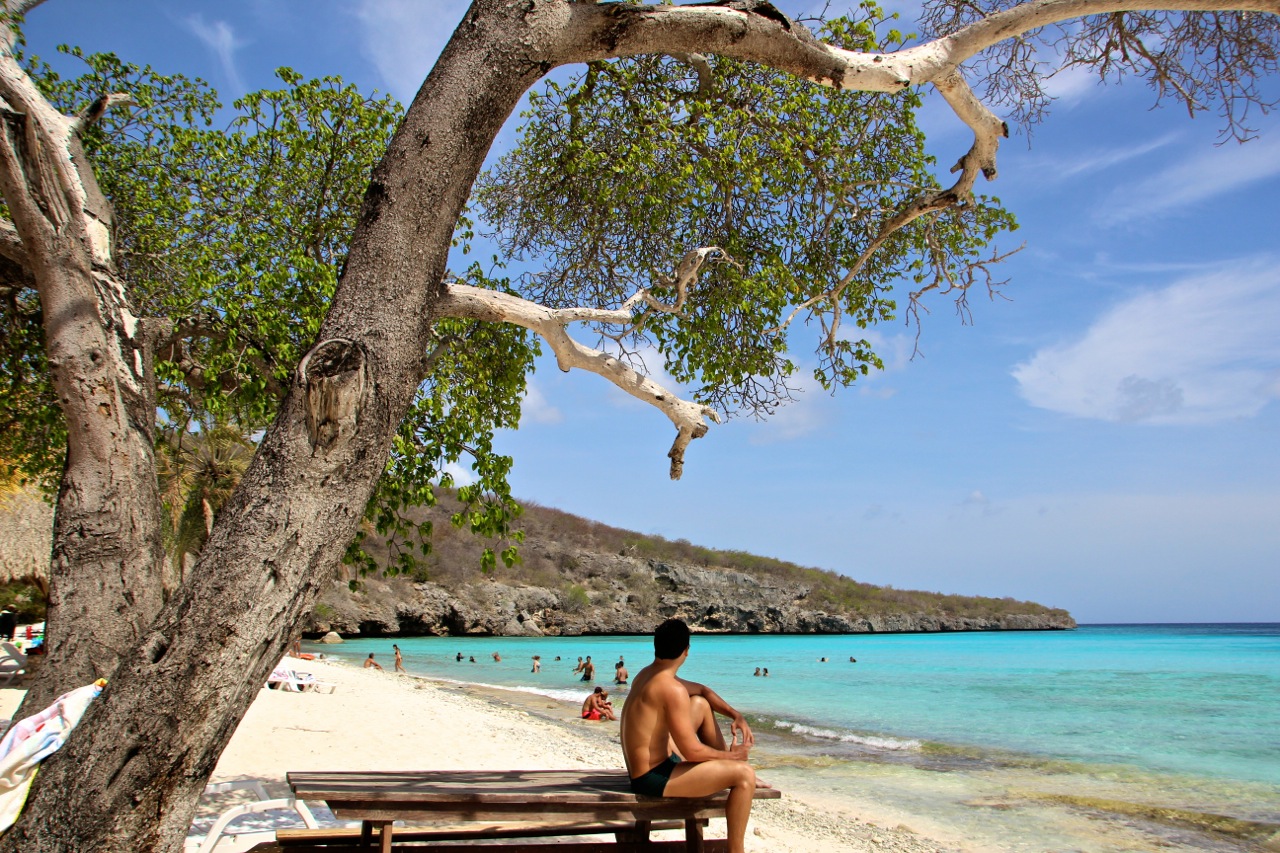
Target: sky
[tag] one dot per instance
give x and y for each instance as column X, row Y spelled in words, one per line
column 1103, row 438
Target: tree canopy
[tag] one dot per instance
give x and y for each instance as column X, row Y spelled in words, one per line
column 130, row 774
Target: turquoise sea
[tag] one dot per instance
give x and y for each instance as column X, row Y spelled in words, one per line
column 1181, row 717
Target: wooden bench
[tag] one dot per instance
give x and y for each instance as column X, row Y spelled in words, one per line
column 493, row 805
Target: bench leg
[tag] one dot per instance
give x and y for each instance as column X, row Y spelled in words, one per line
column 638, row 834
column 693, row 836
column 384, row 835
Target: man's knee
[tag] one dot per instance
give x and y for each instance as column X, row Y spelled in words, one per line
column 700, row 707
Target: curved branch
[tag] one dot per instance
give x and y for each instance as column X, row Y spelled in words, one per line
column 464, row 302
column 11, row 247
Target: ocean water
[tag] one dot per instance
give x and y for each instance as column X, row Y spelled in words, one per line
column 1176, row 716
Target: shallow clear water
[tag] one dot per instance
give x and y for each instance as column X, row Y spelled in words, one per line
column 1188, row 713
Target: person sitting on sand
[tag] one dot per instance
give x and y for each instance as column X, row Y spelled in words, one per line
column 370, row 662
column 671, row 742
column 619, row 672
column 597, row 707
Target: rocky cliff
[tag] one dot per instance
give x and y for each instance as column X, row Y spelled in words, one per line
column 620, row 594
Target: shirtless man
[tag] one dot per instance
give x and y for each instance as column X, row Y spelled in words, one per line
column 671, row 742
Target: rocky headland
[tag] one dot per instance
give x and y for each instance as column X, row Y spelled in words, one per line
column 603, row 593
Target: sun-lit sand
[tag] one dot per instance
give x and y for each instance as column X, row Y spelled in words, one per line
column 379, row 720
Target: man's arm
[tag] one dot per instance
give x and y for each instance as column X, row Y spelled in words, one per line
column 677, row 708
column 738, row 726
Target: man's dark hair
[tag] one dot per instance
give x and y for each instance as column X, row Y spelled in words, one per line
column 670, row 639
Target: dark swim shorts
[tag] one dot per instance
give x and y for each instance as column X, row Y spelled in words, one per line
column 653, row 783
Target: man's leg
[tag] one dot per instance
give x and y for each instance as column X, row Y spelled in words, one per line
column 704, row 723
column 704, row 778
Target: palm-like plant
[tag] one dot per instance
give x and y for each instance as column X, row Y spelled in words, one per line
column 198, row 472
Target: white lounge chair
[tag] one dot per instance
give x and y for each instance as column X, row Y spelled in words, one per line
column 12, row 662
column 264, row 803
column 292, row 681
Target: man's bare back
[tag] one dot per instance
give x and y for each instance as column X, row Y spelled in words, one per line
column 671, row 742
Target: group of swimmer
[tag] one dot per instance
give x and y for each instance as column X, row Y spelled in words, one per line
column 588, row 670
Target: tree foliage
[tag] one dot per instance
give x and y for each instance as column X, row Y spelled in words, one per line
column 236, row 238
column 632, row 163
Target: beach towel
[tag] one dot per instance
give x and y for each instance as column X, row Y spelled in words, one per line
column 30, row 741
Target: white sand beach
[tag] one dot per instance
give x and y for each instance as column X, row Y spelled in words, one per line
column 383, row 721
column 379, row 720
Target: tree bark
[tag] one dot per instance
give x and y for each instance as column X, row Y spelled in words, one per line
column 107, row 554
column 137, row 763
column 130, row 775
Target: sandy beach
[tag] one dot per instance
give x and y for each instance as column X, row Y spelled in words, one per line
column 380, row 720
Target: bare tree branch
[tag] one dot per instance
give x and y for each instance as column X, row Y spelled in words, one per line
column 11, row 247
column 463, row 301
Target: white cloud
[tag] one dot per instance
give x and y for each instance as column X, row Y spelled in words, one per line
column 220, row 38
column 1069, row 86
column 1201, row 350
column 402, row 38
column 1098, row 160
column 537, row 408
column 461, row 476
column 809, row 412
column 1209, row 173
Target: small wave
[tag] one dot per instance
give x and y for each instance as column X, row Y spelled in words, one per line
column 889, row 743
column 571, row 696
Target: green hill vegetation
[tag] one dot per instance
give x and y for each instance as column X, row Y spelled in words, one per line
column 554, row 542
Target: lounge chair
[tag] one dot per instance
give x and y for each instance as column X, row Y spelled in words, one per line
column 12, row 663
column 283, row 678
column 264, row 803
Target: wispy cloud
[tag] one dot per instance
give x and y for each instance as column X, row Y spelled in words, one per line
column 461, row 476
column 221, row 39
column 1209, row 173
column 1201, row 350
column 1098, row 160
column 537, row 408
column 1069, row 86
column 402, row 38
column 809, row 412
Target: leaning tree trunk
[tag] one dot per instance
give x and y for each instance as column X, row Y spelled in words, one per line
column 130, row 776
column 104, row 578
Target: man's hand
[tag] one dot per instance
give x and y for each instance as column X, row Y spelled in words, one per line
column 739, row 729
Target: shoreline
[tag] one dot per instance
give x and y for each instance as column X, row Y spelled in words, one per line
column 387, row 721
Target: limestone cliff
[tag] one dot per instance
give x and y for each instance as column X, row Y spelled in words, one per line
column 600, row 593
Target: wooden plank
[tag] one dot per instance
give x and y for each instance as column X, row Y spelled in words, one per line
column 716, row 845
column 533, row 829
column 527, row 786
column 432, row 813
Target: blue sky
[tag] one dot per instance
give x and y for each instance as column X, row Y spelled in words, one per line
column 1106, row 439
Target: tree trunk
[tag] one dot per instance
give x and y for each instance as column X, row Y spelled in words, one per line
column 130, row 776
column 104, row 579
